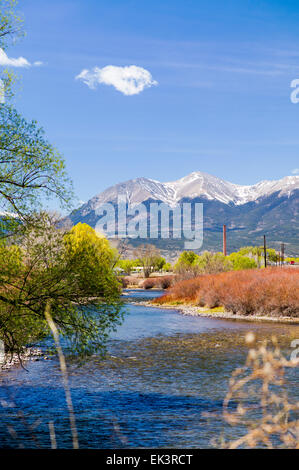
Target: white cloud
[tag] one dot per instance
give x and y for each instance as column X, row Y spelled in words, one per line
column 130, row 80
column 19, row 62
column 295, row 171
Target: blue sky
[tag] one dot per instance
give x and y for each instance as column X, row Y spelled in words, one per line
column 221, row 103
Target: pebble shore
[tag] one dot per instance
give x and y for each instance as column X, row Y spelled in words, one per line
column 30, row 354
column 202, row 312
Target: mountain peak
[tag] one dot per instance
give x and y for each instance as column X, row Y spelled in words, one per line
column 197, row 184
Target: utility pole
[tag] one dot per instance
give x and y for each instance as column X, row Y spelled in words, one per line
column 265, row 251
column 282, row 254
column 224, row 240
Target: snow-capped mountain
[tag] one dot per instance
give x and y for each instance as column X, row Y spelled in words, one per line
column 200, row 184
column 268, row 207
column 195, row 185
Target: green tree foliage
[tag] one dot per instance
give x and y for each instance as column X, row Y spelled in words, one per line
column 186, row 260
column 127, row 265
column 240, row 262
column 186, row 265
column 213, row 263
column 272, row 256
column 31, row 170
column 253, row 251
column 167, row 267
column 190, row 264
column 72, row 273
column 11, row 24
column 159, row 264
column 11, row 29
column 257, row 252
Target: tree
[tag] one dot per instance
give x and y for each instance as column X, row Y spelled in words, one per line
column 159, row 264
column 190, row 264
column 241, row 262
column 272, row 255
column 43, row 268
column 187, row 258
column 31, row 170
column 211, row 263
column 257, row 253
column 10, row 30
column 253, row 251
column 186, row 265
column 167, row 267
column 10, row 23
column 148, row 256
column 127, row 265
column 72, row 273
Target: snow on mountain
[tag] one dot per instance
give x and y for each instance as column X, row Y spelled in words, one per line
column 285, row 186
column 197, row 184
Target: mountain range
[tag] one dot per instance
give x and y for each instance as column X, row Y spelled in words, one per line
column 268, row 207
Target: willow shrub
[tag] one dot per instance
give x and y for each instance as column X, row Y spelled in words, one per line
column 72, row 273
column 272, row 291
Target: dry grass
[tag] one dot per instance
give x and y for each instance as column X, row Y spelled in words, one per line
column 263, row 406
column 272, row 291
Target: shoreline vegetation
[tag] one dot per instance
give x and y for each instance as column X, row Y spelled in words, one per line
column 252, row 295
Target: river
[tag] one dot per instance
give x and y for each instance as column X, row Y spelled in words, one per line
column 163, row 374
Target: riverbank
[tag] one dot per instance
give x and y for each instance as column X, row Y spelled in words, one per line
column 30, row 354
column 271, row 293
column 187, row 309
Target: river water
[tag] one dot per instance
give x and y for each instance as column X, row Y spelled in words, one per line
column 161, row 385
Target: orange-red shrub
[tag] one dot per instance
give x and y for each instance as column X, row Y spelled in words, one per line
column 272, row 291
column 166, row 281
column 149, row 283
column 161, row 282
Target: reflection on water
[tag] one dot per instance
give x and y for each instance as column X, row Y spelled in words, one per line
column 163, row 373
